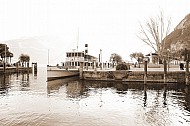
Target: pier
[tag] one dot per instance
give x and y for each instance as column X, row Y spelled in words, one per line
column 15, row 70
column 144, row 75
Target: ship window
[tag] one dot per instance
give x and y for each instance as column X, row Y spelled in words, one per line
column 82, row 54
column 79, row 54
column 76, row 54
column 72, row 63
column 76, row 63
column 72, row 54
column 69, row 54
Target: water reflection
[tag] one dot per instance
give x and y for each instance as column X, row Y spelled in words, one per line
column 30, row 100
column 187, row 98
column 75, row 88
column 9, row 80
column 161, row 104
column 25, row 81
column 164, row 96
column 145, row 95
column 4, row 83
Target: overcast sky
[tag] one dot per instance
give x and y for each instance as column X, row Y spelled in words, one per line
column 110, row 25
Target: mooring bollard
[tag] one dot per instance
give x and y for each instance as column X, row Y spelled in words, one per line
column 81, row 70
column 145, row 72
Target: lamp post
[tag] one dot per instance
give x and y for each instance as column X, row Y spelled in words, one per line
column 5, row 63
column 168, row 58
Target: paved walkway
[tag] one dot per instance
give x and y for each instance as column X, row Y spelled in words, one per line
column 136, row 69
column 155, row 69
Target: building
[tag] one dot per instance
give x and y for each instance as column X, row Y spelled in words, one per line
column 153, row 58
column 74, row 58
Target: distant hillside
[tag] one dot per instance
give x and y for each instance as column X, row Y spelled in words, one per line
column 180, row 37
column 30, row 46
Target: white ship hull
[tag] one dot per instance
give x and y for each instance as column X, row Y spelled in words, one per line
column 58, row 73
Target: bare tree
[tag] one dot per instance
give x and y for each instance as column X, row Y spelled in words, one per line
column 154, row 32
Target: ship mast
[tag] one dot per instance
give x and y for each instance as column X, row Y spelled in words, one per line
column 48, row 57
column 77, row 39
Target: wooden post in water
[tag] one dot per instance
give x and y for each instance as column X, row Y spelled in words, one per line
column 28, row 67
column 186, row 54
column 95, row 69
column 4, row 67
column 187, row 73
column 34, row 69
column 145, row 72
column 165, row 71
column 145, row 95
column 17, row 70
column 186, row 89
column 81, row 70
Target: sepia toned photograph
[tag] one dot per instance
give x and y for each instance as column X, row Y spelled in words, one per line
column 94, row 63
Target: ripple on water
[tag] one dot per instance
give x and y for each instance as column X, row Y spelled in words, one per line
column 33, row 102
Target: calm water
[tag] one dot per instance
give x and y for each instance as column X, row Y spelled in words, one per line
column 29, row 100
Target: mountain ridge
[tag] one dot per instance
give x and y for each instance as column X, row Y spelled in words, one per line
column 30, row 46
column 179, row 38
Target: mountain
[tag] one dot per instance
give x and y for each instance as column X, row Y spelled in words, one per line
column 180, row 37
column 31, row 46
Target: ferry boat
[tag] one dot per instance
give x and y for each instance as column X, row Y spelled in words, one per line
column 71, row 66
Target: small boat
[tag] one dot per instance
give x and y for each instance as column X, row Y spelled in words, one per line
column 56, row 84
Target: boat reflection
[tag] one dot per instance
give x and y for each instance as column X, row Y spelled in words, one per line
column 74, row 87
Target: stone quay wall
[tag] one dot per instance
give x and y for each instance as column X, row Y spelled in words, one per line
column 135, row 76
